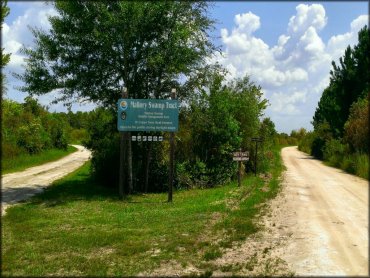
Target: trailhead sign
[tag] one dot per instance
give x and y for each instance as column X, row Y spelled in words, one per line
column 240, row 156
column 148, row 115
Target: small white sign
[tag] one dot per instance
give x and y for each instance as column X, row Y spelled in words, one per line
column 133, row 138
column 155, row 138
column 160, row 138
column 240, row 158
column 144, row 138
column 150, row 138
column 138, row 138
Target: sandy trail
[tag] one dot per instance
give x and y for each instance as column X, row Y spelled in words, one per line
column 326, row 212
column 19, row 186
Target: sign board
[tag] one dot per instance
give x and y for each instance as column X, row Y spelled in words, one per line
column 148, row 115
column 245, row 158
column 240, row 156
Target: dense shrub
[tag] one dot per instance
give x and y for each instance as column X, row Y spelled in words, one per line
column 356, row 129
column 334, row 152
column 33, row 137
column 28, row 128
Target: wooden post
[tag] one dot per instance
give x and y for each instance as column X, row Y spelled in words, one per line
column 255, row 161
column 172, row 156
column 239, row 170
column 122, row 156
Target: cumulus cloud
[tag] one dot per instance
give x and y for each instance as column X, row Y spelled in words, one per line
column 338, row 43
column 16, row 34
column 294, row 71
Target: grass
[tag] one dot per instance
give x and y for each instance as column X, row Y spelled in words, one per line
column 76, row 227
column 25, row 161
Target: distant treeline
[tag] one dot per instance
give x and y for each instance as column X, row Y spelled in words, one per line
column 341, row 120
column 29, row 128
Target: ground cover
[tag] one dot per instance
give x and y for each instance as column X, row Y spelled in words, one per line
column 76, row 227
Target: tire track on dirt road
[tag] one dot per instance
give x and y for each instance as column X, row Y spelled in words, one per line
column 19, row 186
column 329, row 212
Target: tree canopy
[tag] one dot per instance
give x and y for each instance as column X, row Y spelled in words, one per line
column 94, row 48
column 349, row 82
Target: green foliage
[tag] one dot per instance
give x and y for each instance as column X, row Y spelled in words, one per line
column 143, row 45
column 33, row 137
column 349, row 82
column 356, row 129
column 221, row 119
column 341, row 120
column 28, row 128
column 334, row 151
column 305, row 144
column 104, row 144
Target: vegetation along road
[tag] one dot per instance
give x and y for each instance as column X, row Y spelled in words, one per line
column 325, row 212
column 21, row 185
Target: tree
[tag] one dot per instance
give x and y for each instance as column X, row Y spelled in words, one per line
column 5, row 58
column 95, row 48
column 349, row 82
column 220, row 119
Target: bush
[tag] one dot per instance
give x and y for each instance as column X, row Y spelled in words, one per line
column 362, row 165
column 33, row 137
column 104, row 143
column 305, row 144
column 356, row 129
column 334, row 151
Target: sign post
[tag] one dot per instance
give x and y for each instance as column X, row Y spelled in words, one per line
column 122, row 156
column 257, row 140
column 147, row 115
column 240, row 156
column 172, row 156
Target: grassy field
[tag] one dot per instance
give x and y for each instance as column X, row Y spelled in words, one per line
column 25, row 161
column 76, row 227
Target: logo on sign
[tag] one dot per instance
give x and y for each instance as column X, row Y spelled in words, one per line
column 124, row 105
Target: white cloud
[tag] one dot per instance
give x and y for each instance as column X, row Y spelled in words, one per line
column 338, row 43
column 17, row 34
column 307, row 16
column 295, row 71
column 247, row 23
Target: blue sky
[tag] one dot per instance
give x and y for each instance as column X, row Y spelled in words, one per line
column 285, row 47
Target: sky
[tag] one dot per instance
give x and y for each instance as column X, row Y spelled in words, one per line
column 284, row 47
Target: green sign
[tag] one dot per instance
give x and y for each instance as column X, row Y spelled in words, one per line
column 148, row 115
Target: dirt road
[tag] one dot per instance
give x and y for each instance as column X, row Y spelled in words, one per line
column 325, row 212
column 19, row 186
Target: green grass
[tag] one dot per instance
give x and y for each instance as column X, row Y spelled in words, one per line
column 25, row 161
column 77, row 227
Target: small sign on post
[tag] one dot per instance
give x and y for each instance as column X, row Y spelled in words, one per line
column 240, row 156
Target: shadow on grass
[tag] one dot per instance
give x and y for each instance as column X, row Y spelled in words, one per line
column 79, row 187
column 83, row 187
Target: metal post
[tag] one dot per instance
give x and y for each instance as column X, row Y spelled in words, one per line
column 122, row 156
column 172, row 156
